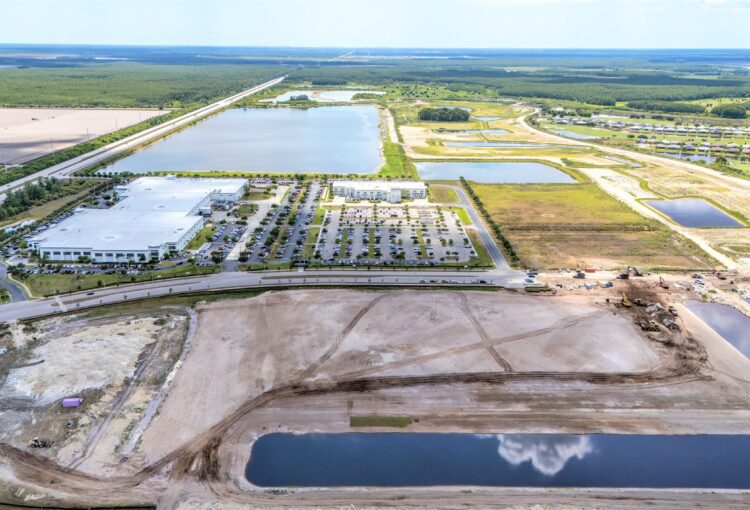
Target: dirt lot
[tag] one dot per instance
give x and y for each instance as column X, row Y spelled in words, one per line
column 473, row 361
column 29, row 133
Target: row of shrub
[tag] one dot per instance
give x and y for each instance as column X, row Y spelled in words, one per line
column 496, row 230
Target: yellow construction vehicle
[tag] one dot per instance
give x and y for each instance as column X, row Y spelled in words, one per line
column 625, row 301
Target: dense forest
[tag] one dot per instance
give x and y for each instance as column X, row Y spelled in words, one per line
column 444, row 114
column 668, row 106
column 731, row 110
column 127, row 85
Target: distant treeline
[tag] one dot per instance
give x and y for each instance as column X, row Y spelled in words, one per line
column 668, row 106
column 582, row 81
column 444, row 114
column 731, row 110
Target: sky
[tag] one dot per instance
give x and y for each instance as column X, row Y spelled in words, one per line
column 381, row 23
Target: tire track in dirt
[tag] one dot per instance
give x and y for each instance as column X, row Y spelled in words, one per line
column 463, row 349
column 464, row 306
column 341, row 337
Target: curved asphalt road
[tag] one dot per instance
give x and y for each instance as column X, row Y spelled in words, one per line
column 16, row 291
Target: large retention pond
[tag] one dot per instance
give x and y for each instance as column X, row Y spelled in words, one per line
column 505, row 460
column 727, row 321
column 329, row 139
column 494, row 172
column 694, row 212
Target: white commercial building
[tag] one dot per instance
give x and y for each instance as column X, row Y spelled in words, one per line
column 380, row 190
column 153, row 217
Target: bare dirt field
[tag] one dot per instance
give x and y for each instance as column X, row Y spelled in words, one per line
column 470, row 361
column 28, row 133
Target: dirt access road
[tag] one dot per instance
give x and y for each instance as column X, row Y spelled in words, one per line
column 308, row 360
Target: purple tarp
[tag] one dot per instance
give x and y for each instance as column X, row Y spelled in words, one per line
column 72, row 402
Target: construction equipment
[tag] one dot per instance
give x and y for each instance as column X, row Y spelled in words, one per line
column 649, row 326
column 634, row 270
column 39, row 443
column 580, row 275
column 640, row 302
column 662, row 283
column 625, row 301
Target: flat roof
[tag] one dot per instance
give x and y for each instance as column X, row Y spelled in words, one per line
column 153, row 212
column 117, row 230
column 379, row 185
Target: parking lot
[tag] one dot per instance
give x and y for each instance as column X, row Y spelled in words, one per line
column 281, row 235
column 390, row 235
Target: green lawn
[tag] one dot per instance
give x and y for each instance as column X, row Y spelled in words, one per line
column 312, row 237
column 48, row 285
column 463, row 215
column 203, row 236
column 380, row 421
column 257, row 195
column 482, row 258
column 443, row 194
column 397, row 163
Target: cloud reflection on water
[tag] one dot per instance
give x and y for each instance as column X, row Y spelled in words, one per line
column 548, row 454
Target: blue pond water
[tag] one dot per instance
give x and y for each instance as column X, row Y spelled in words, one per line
column 576, row 136
column 691, row 157
column 329, row 139
column 507, row 145
column 486, row 118
column 730, row 323
column 494, row 172
column 694, row 212
column 503, row 460
column 486, row 131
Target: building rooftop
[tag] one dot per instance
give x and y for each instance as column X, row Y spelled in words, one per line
column 112, row 230
column 379, row 185
column 152, row 211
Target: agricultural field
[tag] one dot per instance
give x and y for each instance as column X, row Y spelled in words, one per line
column 29, row 133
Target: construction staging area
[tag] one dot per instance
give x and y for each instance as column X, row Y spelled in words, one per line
column 175, row 392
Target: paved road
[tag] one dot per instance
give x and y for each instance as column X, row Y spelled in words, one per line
column 234, row 281
column 16, row 291
column 91, row 158
column 484, row 233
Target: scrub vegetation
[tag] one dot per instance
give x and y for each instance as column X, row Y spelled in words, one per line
column 562, row 225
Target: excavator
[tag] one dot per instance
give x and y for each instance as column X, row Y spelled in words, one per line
column 662, row 283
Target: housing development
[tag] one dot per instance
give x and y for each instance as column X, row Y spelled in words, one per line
column 374, row 277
